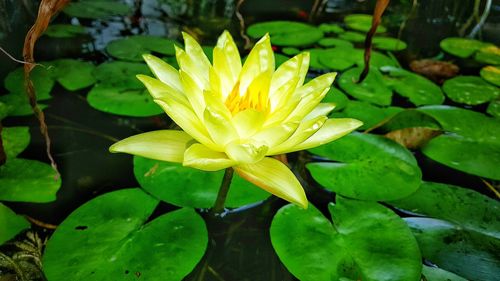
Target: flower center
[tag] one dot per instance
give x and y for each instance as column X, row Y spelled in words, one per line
column 255, row 98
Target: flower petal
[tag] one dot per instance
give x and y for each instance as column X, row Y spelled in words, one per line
column 291, row 69
column 274, row 177
column 248, row 122
column 260, row 59
column 273, row 136
column 323, row 109
column 165, row 145
column 163, row 71
column 187, row 120
column 193, row 92
column 246, row 152
column 303, row 132
column 195, row 69
column 227, row 62
column 220, row 128
column 160, row 90
column 203, row 158
column 330, row 131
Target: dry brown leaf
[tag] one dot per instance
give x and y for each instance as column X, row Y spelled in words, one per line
column 413, row 138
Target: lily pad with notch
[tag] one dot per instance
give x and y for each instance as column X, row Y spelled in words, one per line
column 462, row 47
column 72, row 74
column 286, row 33
column 353, row 36
column 19, row 105
column 470, row 90
column 372, row 89
column 41, row 77
column 132, row 48
column 110, row 238
column 331, row 28
column 388, row 44
column 304, row 239
column 489, row 55
column 362, row 22
column 366, row 167
column 370, row 114
column 491, row 74
column 188, row 187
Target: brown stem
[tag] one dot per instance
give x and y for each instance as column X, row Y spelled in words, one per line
column 377, row 17
column 223, row 191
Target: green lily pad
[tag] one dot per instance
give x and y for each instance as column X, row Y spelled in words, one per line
column 466, row 208
column 362, row 22
column 491, row 74
column 4, row 110
column 471, row 90
column 73, row 74
column 188, row 187
column 110, row 238
column 465, row 122
column 42, row 81
column 410, row 118
column 18, row 104
column 132, row 48
column 286, row 33
column 65, row 31
column 494, row 108
column 466, row 253
column 462, row 47
column 352, row 36
column 372, row 89
column 331, row 27
column 437, row 274
column 337, row 97
column 314, row 58
column 279, row 59
column 489, row 55
column 15, row 140
column 340, row 58
column 370, row 114
column 291, row 51
column 313, row 249
column 24, row 180
column 97, row 9
column 466, row 155
column 10, row 223
column 334, row 42
column 119, row 92
column 418, row 89
column 367, row 167
column 388, row 44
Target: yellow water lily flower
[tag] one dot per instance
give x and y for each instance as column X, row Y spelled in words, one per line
column 235, row 115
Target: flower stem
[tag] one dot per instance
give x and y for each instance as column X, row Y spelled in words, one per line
column 223, row 190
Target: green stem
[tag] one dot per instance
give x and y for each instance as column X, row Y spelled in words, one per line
column 223, row 190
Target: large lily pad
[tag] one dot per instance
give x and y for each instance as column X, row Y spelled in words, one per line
column 65, row 30
column 353, row 36
column 119, row 92
column 40, row 76
column 73, row 74
column 28, row 181
column 467, row 253
column 368, row 167
column 464, row 207
column 471, row 90
column 15, row 140
column 18, row 104
column 362, row 22
column 132, row 48
column 410, row 118
column 313, row 249
column 10, row 223
column 388, row 44
column 188, row 187
column 286, row 33
column 491, row 74
column 96, row 9
column 418, row 89
column 466, row 155
column 110, row 238
column 437, row 274
column 370, row 114
column 372, row 89
column 335, row 42
column 462, row 47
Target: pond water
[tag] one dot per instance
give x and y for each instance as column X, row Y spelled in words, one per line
column 437, row 190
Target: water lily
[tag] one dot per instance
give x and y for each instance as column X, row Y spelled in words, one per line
column 235, row 115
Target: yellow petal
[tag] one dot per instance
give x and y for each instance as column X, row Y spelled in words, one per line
column 187, row 120
column 287, row 71
column 323, row 109
column 305, row 130
column 195, row 69
column 165, row 145
column 248, row 122
column 220, row 128
column 227, row 62
column 246, row 152
column 330, row 131
column 283, row 103
column 163, row 71
column 306, row 105
column 193, row 92
column 215, row 104
column 260, row 59
column 160, row 90
column 273, row 136
column 274, row 177
column 203, row 158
